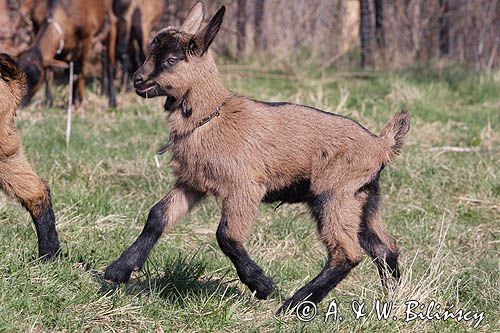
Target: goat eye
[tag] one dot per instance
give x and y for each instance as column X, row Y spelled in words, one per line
column 171, row 61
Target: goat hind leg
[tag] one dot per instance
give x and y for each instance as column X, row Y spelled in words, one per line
column 19, row 181
column 338, row 225
column 111, row 84
column 111, row 63
column 175, row 205
column 49, row 78
column 79, row 71
column 373, row 238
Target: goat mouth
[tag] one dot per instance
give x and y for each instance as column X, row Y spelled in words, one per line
column 148, row 90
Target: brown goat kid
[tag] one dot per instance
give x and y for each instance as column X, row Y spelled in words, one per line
column 245, row 152
column 17, row 177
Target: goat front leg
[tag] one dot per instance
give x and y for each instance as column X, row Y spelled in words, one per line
column 123, row 32
column 80, row 69
column 49, row 78
column 111, row 64
column 175, row 205
column 20, row 182
column 111, row 84
column 237, row 218
column 104, row 73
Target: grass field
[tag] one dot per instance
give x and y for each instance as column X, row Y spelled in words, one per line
column 442, row 205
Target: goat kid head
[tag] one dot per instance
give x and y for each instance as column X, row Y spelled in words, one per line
column 179, row 59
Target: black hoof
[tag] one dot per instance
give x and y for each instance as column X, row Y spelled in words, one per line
column 116, row 272
column 291, row 304
column 285, row 308
column 49, row 252
column 263, row 286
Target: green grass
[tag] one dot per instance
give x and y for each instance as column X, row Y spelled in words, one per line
column 442, row 207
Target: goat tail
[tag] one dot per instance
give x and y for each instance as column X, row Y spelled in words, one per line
column 394, row 133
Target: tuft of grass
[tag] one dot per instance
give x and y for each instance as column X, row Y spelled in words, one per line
column 441, row 201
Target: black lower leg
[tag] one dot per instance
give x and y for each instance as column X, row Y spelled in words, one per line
column 248, row 271
column 385, row 259
column 44, row 220
column 388, row 265
column 77, row 96
column 320, row 286
column 48, row 91
column 111, row 85
column 125, row 68
column 374, row 240
column 104, row 74
column 135, row 256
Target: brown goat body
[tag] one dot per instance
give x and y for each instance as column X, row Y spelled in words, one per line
column 17, row 178
column 245, row 152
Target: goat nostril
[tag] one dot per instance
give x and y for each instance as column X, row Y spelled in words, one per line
column 138, row 80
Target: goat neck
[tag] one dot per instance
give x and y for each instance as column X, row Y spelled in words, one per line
column 204, row 97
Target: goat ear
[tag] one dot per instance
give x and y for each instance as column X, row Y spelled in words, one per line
column 194, row 19
column 206, row 36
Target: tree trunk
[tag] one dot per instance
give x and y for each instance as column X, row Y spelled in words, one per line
column 241, row 28
column 444, row 28
column 379, row 20
column 366, row 32
column 258, row 32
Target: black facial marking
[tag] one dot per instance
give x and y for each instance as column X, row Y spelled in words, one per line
column 164, row 46
column 248, row 271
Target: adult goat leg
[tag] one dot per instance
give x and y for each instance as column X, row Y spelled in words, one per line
column 49, row 78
